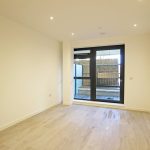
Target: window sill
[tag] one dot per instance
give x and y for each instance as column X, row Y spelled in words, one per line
column 99, row 104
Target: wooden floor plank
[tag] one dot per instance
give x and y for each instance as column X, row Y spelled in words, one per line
column 79, row 127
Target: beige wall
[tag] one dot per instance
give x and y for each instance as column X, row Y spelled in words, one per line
column 137, row 67
column 30, row 72
column 67, row 73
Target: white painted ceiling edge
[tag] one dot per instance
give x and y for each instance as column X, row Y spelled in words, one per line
column 80, row 20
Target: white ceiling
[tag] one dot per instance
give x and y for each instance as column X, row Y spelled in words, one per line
column 88, row 19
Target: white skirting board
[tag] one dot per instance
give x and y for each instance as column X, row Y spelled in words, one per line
column 25, row 117
column 107, row 105
column 79, row 102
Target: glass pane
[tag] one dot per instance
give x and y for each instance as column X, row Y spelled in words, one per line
column 108, row 75
column 82, row 52
column 82, row 89
column 82, row 67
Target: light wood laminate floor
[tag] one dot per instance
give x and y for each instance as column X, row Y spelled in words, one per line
column 80, row 128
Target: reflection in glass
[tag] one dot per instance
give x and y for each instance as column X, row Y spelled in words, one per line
column 82, row 89
column 108, row 75
column 82, row 67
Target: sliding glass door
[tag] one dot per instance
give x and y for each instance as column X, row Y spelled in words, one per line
column 82, row 83
column 99, row 74
column 109, row 61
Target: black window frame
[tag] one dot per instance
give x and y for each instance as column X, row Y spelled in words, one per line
column 92, row 78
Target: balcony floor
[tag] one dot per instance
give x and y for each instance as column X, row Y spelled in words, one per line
column 103, row 93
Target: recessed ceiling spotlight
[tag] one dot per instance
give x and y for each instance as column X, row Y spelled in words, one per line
column 51, row 18
column 72, row 34
column 135, row 25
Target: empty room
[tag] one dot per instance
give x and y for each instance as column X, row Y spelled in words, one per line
column 74, row 74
